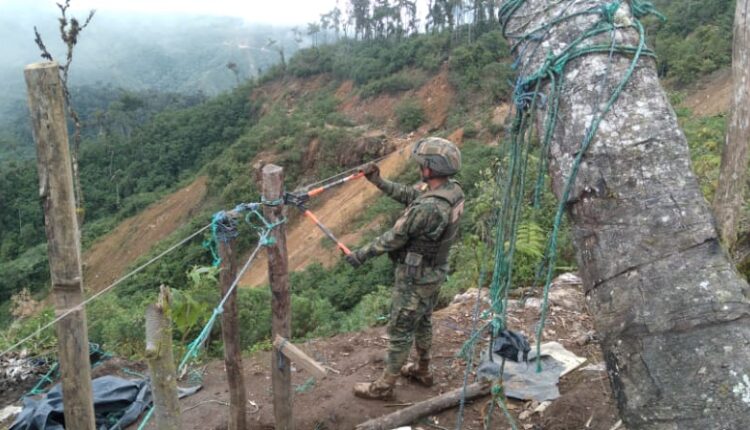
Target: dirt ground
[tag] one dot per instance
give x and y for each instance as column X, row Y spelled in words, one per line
column 712, row 95
column 338, row 208
column 108, row 258
column 585, row 402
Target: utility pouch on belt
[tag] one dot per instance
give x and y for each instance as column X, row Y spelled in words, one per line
column 413, row 262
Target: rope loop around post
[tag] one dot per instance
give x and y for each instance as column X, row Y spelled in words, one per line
column 277, row 202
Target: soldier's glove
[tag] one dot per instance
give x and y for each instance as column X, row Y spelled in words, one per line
column 353, row 260
column 372, row 173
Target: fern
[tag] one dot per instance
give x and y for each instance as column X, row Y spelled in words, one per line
column 530, row 240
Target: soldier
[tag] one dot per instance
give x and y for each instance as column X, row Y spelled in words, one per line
column 418, row 244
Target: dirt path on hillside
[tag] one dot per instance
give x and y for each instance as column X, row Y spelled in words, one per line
column 108, row 258
column 585, row 402
column 712, row 95
column 338, row 209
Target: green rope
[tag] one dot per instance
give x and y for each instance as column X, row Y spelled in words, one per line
column 528, row 98
column 498, row 396
column 194, row 347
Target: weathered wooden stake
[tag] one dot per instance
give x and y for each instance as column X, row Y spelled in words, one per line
column 161, row 363
column 298, row 356
column 230, row 332
column 273, row 191
column 730, row 190
column 47, row 108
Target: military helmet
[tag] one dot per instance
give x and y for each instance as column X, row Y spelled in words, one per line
column 440, row 155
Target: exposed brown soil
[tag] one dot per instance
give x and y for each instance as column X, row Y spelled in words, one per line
column 108, row 258
column 288, row 90
column 435, row 96
column 712, row 94
column 338, row 209
column 585, row 402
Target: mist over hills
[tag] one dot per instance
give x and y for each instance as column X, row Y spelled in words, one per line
column 164, row 52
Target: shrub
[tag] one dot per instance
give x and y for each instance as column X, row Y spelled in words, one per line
column 372, row 310
column 311, row 61
column 402, row 81
column 410, row 115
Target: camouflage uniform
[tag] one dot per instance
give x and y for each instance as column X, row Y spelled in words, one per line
column 418, row 244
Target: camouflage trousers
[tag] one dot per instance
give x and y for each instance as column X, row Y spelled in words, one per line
column 410, row 320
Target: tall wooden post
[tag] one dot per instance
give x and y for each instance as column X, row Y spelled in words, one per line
column 50, row 130
column 731, row 187
column 273, row 191
column 230, row 332
column 161, row 363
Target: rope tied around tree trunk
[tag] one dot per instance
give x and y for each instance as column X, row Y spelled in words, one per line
column 528, row 100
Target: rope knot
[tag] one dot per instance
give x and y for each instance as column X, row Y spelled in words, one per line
column 608, row 11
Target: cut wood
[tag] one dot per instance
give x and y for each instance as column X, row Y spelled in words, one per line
column 161, row 363
column 281, row 303
column 230, row 333
column 298, row 356
column 50, row 129
column 428, row 407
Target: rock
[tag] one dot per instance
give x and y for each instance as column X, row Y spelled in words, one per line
column 533, row 303
column 470, row 296
column 586, row 338
column 542, row 407
column 9, row 412
column 566, row 293
column 595, row 367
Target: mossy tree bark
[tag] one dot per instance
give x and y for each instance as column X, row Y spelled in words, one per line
column 670, row 308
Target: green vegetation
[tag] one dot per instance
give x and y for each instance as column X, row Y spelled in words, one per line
column 410, row 115
column 398, row 82
column 706, row 140
column 696, row 38
column 140, row 145
column 138, row 156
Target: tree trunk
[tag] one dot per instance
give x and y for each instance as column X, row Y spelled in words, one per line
column 731, row 189
column 669, row 306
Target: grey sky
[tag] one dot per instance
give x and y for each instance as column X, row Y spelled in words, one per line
column 282, row 12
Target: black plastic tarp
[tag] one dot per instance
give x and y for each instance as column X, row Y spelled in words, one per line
column 118, row 402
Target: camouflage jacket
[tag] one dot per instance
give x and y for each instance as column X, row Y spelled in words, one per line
column 425, row 218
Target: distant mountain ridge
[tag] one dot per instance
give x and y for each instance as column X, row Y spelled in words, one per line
column 170, row 53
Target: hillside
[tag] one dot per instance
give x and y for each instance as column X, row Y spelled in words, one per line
column 585, row 401
column 711, row 95
column 340, row 208
column 109, row 257
column 154, row 175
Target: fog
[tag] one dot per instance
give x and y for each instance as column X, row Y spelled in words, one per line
column 136, row 50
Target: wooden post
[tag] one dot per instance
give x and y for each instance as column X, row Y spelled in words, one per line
column 230, row 333
column 273, row 190
column 731, row 187
column 431, row 406
column 47, row 108
column 161, row 363
column 298, row 356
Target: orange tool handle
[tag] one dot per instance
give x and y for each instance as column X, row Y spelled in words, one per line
column 316, row 191
column 327, row 232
